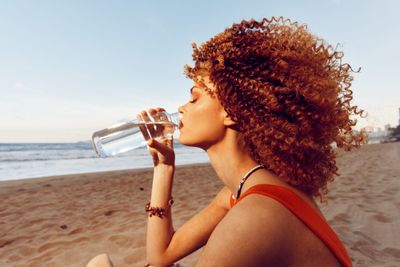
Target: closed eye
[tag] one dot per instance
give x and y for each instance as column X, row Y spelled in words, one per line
column 193, row 94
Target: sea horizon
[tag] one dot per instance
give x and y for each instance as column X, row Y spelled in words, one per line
column 34, row 160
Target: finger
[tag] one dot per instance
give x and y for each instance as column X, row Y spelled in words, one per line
column 160, row 117
column 169, row 142
column 147, row 119
column 155, row 129
column 142, row 127
column 160, row 109
column 167, row 127
column 163, row 148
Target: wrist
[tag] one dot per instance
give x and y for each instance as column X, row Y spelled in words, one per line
column 163, row 179
column 162, row 168
column 162, row 185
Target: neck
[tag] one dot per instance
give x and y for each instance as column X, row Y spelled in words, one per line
column 230, row 161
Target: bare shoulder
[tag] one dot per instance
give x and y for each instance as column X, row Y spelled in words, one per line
column 253, row 233
column 259, row 231
column 222, row 199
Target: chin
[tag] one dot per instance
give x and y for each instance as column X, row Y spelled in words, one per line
column 183, row 141
column 187, row 142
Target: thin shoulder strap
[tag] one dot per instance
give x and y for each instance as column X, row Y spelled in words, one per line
column 305, row 213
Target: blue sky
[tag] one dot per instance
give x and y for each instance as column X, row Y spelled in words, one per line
column 68, row 68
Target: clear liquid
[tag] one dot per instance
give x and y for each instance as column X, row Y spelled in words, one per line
column 127, row 136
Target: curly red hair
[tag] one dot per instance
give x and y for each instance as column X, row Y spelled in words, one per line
column 288, row 93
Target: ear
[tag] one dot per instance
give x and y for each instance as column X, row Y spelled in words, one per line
column 227, row 120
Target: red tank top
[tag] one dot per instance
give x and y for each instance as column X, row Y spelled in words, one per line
column 305, row 213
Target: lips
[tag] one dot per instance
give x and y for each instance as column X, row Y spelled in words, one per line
column 180, row 121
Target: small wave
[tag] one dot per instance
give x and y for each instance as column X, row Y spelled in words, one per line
column 44, row 152
column 44, row 146
column 43, row 159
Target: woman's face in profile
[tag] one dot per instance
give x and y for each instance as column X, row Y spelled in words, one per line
column 202, row 117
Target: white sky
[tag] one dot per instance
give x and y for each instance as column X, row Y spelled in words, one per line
column 68, row 68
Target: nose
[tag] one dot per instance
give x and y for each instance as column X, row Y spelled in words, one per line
column 181, row 109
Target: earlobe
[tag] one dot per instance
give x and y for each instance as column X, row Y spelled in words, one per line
column 228, row 121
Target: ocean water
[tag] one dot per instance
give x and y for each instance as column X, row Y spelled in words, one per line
column 19, row 161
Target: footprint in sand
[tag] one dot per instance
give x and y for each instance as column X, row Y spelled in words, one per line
column 366, row 248
column 4, row 243
column 382, row 218
column 394, row 252
column 75, row 231
column 364, row 238
column 341, row 217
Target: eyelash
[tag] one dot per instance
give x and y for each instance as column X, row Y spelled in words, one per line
column 192, row 101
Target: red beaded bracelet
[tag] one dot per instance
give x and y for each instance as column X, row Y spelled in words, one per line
column 158, row 211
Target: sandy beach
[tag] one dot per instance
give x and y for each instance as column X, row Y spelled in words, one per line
column 67, row 220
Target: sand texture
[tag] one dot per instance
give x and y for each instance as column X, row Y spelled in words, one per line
column 67, row 220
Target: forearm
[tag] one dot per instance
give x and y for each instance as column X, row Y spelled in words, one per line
column 160, row 230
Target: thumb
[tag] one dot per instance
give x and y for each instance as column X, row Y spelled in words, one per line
column 160, row 147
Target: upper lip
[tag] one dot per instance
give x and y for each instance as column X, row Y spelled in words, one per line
column 180, row 120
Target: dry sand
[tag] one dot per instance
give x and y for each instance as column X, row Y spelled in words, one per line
column 67, row 220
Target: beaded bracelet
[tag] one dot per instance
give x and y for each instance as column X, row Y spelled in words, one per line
column 158, row 211
column 148, row 265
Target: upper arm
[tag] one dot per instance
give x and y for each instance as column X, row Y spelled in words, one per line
column 194, row 233
column 247, row 236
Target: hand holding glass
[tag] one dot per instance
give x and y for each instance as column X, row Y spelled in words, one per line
column 133, row 134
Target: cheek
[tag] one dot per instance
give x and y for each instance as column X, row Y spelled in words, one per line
column 202, row 128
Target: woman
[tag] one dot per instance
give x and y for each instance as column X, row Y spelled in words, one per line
column 268, row 101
